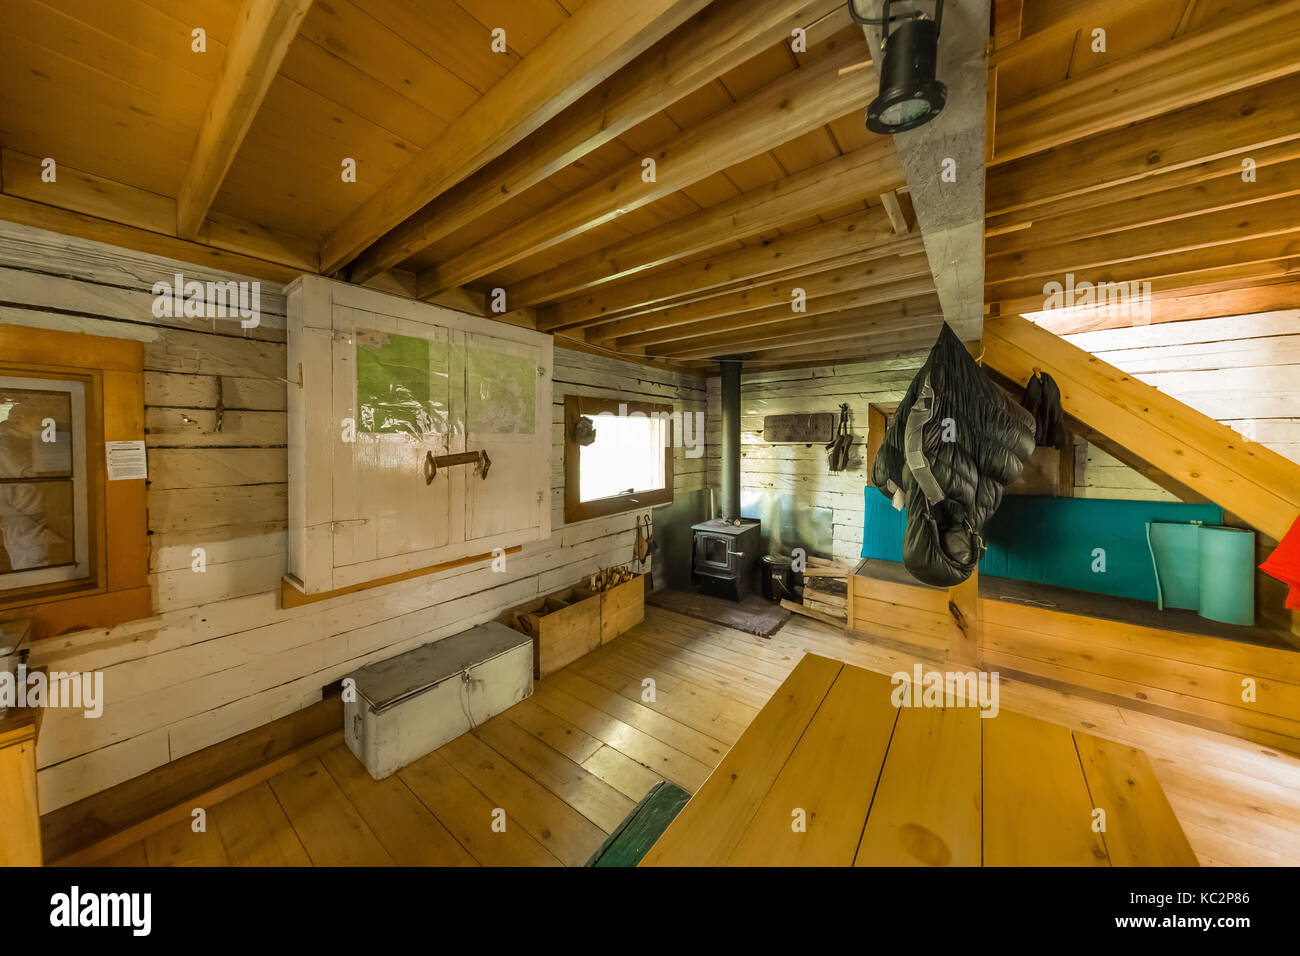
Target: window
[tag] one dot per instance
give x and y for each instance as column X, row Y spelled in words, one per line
column 44, row 497
column 74, row 549
column 617, row 456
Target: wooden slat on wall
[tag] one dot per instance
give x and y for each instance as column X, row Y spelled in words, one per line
column 221, row 657
column 802, row 470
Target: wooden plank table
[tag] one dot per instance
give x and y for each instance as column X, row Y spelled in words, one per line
column 831, row 773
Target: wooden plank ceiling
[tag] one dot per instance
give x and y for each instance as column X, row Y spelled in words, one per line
column 1130, row 165
column 477, row 170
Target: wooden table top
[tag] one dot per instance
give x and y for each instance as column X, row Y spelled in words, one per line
column 879, row 785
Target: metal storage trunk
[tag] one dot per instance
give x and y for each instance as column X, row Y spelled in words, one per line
column 412, row 704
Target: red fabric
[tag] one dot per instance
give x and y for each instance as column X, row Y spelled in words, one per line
column 1284, row 564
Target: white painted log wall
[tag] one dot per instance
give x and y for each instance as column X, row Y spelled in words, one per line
column 802, row 469
column 1243, row 371
column 221, row 657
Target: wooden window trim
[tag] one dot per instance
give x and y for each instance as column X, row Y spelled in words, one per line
column 575, row 406
column 118, row 588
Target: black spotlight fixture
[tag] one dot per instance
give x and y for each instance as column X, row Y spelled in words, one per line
column 909, row 96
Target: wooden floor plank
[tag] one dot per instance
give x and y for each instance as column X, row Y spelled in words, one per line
column 132, row 855
column 569, row 836
column 1237, row 802
column 581, row 789
column 669, row 762
column 830, row 778
column 408, row 830
column 331, row 830
column 927, row 808
column 1037, row 811
column 179, row 845
column 256, row 832
column 708, row 829
column 468, row 815
column 553, row 731
column 1141, row 829
column 706, row 749
column 621, row 772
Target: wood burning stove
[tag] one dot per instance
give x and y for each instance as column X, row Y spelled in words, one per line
column 725, row 554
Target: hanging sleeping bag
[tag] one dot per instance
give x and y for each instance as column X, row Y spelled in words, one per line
column 954, row 443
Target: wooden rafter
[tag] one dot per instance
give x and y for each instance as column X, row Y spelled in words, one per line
column 857, row 174
column 720, row 38
column 880, row 298
column 1231, row 126
column 1225, row 191
column 844, row 289
column 861, row 232
column 599, row 38
column 802, row 100
column 263, row 32
column 853, row 323
column 1257, row 47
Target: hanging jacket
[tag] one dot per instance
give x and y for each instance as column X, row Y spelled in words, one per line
column 955, row 442
column 1042, row 400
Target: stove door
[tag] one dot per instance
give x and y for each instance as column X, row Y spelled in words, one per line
column 714, row 554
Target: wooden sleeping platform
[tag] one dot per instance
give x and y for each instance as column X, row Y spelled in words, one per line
column 878, row 785
column 1235, row 680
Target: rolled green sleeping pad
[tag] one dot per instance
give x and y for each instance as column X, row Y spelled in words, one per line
column 1176, row 552
column 1227, row 574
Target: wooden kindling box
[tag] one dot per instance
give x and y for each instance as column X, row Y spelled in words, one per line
column 412, row 704
column 564, row 626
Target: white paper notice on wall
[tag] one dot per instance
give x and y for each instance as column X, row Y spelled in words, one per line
column 126, row 460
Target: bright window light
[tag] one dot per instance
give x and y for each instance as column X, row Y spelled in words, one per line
column 626, row 457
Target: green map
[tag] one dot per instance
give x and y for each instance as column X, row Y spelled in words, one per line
column 401, row 384
column 502, row 393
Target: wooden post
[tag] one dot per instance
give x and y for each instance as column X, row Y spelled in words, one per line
column 964, row 630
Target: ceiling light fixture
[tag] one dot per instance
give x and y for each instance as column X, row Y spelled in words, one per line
column 909, row 96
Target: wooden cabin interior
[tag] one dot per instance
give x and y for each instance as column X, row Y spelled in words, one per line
column 476, row 432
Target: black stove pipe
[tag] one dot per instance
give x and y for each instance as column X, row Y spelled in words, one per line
column 730, row 491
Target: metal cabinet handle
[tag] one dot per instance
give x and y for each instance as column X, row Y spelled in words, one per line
column 479, row 459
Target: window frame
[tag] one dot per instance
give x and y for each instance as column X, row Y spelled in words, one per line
column 116, row 589
column 575, row 509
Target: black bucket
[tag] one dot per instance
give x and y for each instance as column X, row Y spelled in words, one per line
column 776, row 578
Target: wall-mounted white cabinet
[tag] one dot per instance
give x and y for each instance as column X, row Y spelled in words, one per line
column 417, row 435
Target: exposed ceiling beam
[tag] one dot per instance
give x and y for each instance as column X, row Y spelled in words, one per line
column 862, row 349
column 859, row 232
column 1225, row 191
column 876, row 296
column 1145, row 195
column 720, row 38
column 1236, row 226
column 778, row 297
column 782, row 110
column 1232, row 125
column 262, row 34
column 1246, row 50
column 857, row 175
column 1064, row 26
column 595, row 42
column 1179, row 308
column 1008, row 21
column 1270, row 255
column 889, row 317
column 944, row 163
column 82, row 192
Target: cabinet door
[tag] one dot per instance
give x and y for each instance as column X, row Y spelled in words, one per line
column 398, row 383
column 508, row 416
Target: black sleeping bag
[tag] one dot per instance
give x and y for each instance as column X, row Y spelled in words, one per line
column 955, row 442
